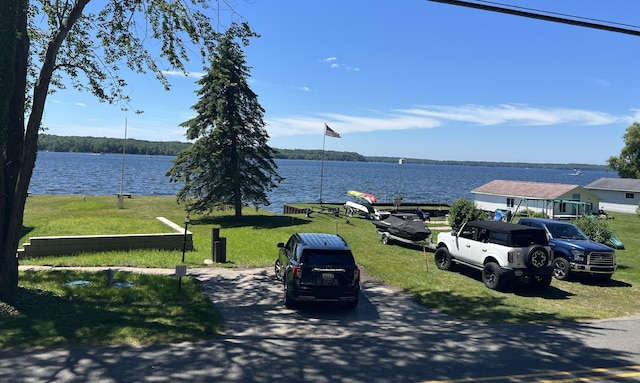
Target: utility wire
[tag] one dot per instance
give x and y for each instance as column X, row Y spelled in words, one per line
column 547, row 16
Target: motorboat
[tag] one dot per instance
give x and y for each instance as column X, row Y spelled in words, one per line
column 406, row 226
column 362, row 205
column 364, row 208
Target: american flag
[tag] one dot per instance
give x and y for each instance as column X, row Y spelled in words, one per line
column 330, row 132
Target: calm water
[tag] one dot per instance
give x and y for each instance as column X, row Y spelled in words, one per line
column 90, row 174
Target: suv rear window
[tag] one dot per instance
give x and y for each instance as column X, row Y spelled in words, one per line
column 528, row 238
column 313, row 257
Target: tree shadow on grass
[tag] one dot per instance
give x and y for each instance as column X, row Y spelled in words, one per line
column 150, row 309
column 488, row 309
column 257, row 221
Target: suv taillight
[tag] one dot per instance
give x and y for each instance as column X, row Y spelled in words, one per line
column 356, row 274
column 510, row 256
column 297, row 272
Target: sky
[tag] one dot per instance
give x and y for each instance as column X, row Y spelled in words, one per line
column 410, row 79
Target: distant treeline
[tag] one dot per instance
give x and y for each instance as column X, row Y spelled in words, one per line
column 53, row 143
column 305, row 154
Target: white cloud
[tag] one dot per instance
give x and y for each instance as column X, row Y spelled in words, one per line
column 181, row 74
column 432, row 116
column 515, row 114
column 334, row 64
column 635, row 117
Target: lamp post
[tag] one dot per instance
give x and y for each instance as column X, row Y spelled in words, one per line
column 184, row 241
column 401, row 162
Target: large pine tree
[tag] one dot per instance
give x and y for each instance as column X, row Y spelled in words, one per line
column 230, row 164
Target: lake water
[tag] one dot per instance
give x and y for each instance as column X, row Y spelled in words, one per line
column 92, row 174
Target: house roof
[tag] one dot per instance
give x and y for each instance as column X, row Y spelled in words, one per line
column 525, row 189
column 616, row 184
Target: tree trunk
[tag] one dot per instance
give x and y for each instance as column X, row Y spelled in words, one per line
column 21, row 144
column 237, row 194
column 9, row 232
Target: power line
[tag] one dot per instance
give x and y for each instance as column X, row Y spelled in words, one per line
column 547, row 16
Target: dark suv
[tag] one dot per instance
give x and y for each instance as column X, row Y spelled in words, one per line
column 317, row 268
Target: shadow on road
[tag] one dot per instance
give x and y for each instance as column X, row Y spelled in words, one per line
column 387, row 338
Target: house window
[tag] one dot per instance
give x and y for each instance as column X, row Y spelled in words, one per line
column 510, row 202
column 629, row 196
column 562, row 207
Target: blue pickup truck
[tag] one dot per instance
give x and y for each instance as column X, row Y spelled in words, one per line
column 574, row 252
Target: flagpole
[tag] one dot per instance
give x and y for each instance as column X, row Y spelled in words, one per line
column 324, row 138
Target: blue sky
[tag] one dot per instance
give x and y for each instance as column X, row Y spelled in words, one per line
column 413, row 79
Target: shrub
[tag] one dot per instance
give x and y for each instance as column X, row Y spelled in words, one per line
column 532, row 214
column 463, row 210
column 596, row 229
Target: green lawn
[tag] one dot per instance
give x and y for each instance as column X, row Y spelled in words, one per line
column 50, row 311
column 251, row 241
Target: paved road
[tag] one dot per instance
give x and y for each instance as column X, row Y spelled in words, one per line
column 388, row 338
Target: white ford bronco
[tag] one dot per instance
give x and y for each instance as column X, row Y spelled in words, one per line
column 500, row 250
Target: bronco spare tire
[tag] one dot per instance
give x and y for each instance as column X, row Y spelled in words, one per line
column 537, row 257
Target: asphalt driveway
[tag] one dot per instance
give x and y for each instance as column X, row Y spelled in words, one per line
column 387, row 338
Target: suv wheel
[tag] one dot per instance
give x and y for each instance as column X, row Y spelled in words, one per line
column 442, row 258
column 277, row 269
column 538, row 257
column 288, row 302
column 540, row 282
column 492, row 276
column 561, row 269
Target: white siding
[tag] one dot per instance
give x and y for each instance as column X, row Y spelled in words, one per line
column 491, row 203
column 616, row 201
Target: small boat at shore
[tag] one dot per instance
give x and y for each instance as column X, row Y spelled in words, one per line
column 362, row 205
column 370, row 198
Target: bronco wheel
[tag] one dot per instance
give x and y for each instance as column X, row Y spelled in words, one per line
column 561, row 269
column 492, row 276
column 277, row 269
column 442, row 258
column 538, row 257
column 540, row 282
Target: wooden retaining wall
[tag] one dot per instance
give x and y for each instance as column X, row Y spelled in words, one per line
column 288, row 209
column 65, row 245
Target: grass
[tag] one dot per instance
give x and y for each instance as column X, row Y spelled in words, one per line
column 251, row 243
column 47, row 312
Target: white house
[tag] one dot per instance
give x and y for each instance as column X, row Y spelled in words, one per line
column 617, row 194
column 555, row 200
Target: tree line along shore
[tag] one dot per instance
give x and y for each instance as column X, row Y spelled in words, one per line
column 77, row 144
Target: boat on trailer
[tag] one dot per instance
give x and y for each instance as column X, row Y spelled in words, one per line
column 403, row 227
